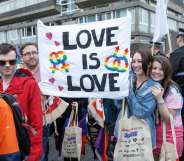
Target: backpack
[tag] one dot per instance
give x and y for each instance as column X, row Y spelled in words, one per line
column 19, row 119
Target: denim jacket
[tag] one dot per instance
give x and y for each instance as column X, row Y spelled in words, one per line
column 142, row 104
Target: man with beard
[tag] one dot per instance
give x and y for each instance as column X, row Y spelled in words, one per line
column 29, row 52
column 30, row 59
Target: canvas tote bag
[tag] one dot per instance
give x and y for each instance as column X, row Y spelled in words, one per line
column 134, row 139
column 72, row 141
column 168, row 150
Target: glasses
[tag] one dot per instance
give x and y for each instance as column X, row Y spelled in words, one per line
column 11, row 62
column 30, row 53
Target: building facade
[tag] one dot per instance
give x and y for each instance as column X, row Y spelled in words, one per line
column 18, row 18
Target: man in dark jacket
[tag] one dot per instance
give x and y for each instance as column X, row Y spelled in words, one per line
column 177, row 60
column 156, row 48
column 21, row 84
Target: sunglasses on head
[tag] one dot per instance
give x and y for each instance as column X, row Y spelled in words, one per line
column 11, row 62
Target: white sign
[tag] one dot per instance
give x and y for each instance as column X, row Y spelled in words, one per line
column 85, row 60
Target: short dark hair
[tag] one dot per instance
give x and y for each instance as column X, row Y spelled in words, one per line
column 146, row 59
column 28, row 44
column 5, row 48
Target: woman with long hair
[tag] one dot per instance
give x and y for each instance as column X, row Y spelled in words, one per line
column 170, row 99
column 141, row 101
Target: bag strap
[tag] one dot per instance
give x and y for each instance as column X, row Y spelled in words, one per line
column 172, row 130
column 70, row 118
column 123, row 114
column 123, row 108
column 76, row 114
column 73, row 114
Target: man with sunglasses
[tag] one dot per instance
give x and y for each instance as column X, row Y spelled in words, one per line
column 21, row 84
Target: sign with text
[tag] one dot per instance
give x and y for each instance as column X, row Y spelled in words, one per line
column 85, row 60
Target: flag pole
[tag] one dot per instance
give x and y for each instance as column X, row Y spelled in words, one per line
column 170, row 45
column 169, row 36
column 152, row 49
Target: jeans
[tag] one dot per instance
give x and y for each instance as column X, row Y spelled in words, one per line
column 10, row 157
column 46, row 134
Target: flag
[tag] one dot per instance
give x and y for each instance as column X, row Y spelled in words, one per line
column 161, row 25
column 101, row 145
column 96, row 108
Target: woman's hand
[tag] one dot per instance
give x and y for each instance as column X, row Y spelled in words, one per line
column 157, row 92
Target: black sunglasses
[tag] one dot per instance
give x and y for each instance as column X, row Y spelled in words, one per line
column 11, row 62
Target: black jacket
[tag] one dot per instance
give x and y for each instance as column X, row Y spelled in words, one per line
column 177, row 61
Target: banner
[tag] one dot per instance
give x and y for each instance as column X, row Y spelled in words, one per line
column 161, row 25
column 85, row 60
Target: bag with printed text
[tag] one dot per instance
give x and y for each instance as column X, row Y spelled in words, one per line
column 134, row 139
column 72, row 141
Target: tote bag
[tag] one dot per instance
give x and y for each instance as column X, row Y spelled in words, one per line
column 134, row 139
column 168, row 150
column 72, row 141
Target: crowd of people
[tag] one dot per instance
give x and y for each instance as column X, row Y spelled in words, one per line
column 156, row 93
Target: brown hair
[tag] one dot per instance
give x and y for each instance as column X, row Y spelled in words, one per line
column 146, row 59
column 167, row 70
column 5, row 48
column 28, row 44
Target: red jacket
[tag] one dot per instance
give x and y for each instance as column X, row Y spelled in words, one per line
column 24, row 87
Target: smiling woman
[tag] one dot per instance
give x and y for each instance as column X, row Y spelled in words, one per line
column 141, row 102
column 169, row 101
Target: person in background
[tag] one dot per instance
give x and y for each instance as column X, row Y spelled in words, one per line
column 9, row 148
column 156, row 48
column 22, row 85
column 141, row 101
column 168, row 97
column 29, row 53
column 177, row 61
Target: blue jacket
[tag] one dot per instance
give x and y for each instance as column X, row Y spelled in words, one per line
column 142, row 104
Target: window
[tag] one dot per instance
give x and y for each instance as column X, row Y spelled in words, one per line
column 181, row 25
column 12, row 36
column 101, row 16
column 28, row 34
column 152, row 20
column 172, row 24
column 143, row 20
column 28, row 31
column 67, row 6
column 91, row 18
column 109, row 15
column 2, row 37
column 132, row 12
column 120, row 13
